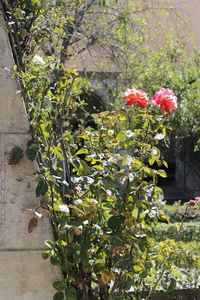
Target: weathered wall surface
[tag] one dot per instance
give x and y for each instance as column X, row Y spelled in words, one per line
column 24, row 275
column 190, row 10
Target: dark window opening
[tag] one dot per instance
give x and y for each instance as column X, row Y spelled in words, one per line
column 171, row 172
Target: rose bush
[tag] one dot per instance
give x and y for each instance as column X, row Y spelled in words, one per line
column 101, row 207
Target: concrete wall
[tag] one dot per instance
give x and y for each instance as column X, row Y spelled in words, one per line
column 24, row 275
column 190, row 10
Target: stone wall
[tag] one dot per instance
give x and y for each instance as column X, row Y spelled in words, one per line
column 24, row 275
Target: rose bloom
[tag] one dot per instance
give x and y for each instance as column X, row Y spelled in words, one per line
column 166, row 99
column 135, row 96
column 192, row 203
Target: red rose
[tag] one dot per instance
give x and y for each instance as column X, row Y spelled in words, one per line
column 192, row 202
column 166, row 99
column 136, row 97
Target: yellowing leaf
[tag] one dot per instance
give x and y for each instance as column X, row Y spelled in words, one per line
column 77, row 230
column 82, row 151
column 105, row 237
column 44, row 202
column 70, row 71
column 162, row 173
column 99, row 168
column 105, row 278
column 164, row 217
column 112, row 276
column 137, row 268
column 147, row 170
column 63, row 243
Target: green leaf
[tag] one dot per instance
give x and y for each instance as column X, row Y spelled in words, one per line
column 58, row 296
column 46, row 254
column 31, row 153
column 71, row 293
column 98, row 267
column 59, row 285
column 147, row 170
column 152, row 160
column 137, row 162
column 115, row 222
column 172, row 285
column 158, row 194
column 37, row 2
column 121, row 136
column 82, row 151
column 41, row 188
column 165, row 163
column 63, row 243
column 32, row 150
column 164, row 218
column 102, row 2
column 49, row 243
column 55, row 259
column 162, row 173
column 15, row 156
column 137, row 268
column 98, row 167
column 144, row 274
column 128, row 284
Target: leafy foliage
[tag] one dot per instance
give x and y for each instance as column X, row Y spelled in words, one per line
column 190, row 232
column 102, row 206
column 98, row 185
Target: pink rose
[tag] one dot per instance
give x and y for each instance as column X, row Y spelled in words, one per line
column 136, row 97
column 166, row 99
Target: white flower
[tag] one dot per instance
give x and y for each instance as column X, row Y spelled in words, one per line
column 94, row 201
column 38, row 60
column 78, row 201
column 154, row 151
column 109, row 193
column 64, row 208
column 159, row 136
column 152, row 213
column 129, row 160
column 129, row 133
column 90, row 180
column 131, row 177
column 110, row 132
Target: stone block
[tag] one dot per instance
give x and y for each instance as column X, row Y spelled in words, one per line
column 18, row 199
column 26, row 276
column 12, row 113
